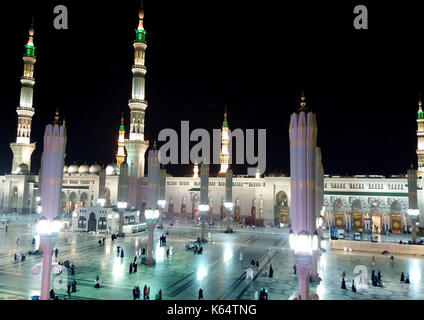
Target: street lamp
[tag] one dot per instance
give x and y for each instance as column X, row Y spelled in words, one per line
column 413, row 213
column 152, row 216
column 303, row 245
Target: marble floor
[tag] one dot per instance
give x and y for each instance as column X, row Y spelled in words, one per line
column 218, row 270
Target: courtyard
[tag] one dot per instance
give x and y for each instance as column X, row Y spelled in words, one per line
column 218, row 270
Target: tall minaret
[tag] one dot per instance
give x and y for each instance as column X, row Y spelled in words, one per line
column 420, row 135
column 23, row 148
column 224, row 146
column 120, row 155
column 136, row 145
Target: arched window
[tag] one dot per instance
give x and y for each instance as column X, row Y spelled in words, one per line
column 82, row 223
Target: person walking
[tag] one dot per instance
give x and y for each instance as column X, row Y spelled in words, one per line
column 407, row 278
column 343, row 284
column 271, row 271
column 144, row 292
column 148, row 293
column 6, row 228
column 56, row 252
column 294, row 269
column 122, row 253
column 134, row 292
column 402, row 277
column 379, row 275
column 167, row 253
column 131, row 267
column 353, row 286
column 200, row 294
column 74, row 286
column 392, row 258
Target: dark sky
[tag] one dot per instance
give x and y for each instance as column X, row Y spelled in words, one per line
column 202, row 55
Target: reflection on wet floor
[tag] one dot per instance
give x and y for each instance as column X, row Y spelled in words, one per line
column 218, row 270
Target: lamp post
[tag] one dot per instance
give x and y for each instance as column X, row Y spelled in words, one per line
column 152, row 216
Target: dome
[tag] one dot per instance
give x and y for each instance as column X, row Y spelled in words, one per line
column 22, row 169
column 73, row 169
column 110, row 169
column 95, row 168
column 65, row 169
column 84, row 168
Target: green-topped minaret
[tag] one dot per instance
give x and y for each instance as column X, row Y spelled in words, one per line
column 420, row 136
column 136, row 146
column 23, row 148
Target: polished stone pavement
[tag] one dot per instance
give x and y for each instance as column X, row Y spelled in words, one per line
column 218, row 270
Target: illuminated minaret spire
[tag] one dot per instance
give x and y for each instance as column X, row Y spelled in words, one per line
column 120, row 155
column 420, row 136
column 23, row 148
column 224, row 146
column 136, row 145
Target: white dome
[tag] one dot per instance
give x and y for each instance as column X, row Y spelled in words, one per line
column 22, row 169
column 95, row 168
column 73, row 169
column 84, row 168
column 65, row 169
column 110, row 169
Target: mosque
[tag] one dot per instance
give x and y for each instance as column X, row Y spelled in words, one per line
column 359, row 202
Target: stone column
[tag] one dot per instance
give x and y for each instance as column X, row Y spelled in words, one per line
column 52, row 169
column 229, row 198
column 204, row 198
column 413, row 202
column 303, row 133
column 102, row 182
column 162, row 197
column 150, row 240
column 122, row 194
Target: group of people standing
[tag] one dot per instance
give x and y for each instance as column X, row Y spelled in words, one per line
column 146, row 293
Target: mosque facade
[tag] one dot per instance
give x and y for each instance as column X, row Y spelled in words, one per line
column 357, row 202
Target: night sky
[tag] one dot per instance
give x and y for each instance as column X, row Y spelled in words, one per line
column 256, row 57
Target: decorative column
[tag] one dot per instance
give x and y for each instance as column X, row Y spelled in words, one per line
column 151, row 220
column 161, row 201
column 318, row 206
column 303, row 134
column 122, row 194
column 102, row 182
column 413, row 210
column 204, row 198
column 229, row 199
column 48, row 228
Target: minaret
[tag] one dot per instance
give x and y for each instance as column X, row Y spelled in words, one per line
column 136, row 145
column 420, row 136
column 120, row 155
column 196, row 170
column 23, row 148
column 224, row 146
